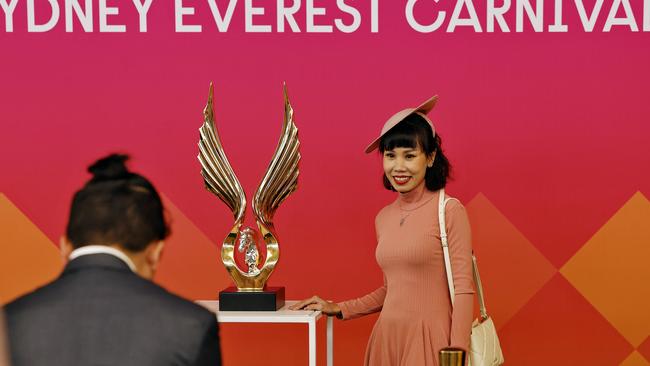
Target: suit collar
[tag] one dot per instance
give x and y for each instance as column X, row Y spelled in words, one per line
column 95, row 249
column 99, row 260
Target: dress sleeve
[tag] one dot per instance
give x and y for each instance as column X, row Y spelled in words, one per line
column 460, row 249
column 368, row 304
column 374, row 301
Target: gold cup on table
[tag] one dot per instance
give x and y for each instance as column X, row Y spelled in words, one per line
column 451, row 357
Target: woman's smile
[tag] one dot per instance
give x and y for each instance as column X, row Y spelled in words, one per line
column 401, row 179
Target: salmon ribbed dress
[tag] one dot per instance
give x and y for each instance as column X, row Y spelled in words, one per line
column 417, row 318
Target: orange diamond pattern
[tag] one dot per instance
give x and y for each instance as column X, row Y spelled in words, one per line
column 28, row 259
column 635, row 359
column 644, row 349
column 593, row 312
column 611, row 270
column 512, row 268
column 558, row 326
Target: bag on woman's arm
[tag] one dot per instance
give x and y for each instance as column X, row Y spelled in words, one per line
column 484, row 347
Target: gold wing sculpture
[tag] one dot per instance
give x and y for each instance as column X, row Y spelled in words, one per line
column 217, row 173
column 280, row 180
column 281, row 177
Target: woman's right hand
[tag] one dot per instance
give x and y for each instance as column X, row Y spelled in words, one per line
column 316, row 303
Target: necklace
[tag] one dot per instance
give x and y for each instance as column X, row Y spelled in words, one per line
column 403, row 216
column 402, row 212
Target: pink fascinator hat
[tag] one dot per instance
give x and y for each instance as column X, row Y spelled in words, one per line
column 422, row 110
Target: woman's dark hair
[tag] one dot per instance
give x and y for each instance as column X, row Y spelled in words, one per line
column 116, row 206
column 414, row 132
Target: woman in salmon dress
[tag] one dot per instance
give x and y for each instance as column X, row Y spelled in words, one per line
column 417, row 319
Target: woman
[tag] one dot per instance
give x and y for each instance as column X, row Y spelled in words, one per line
column 417, row 318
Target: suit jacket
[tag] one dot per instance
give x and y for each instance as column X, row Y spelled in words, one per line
column 98, row 312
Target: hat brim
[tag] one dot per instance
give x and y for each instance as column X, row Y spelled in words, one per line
column 423, row 109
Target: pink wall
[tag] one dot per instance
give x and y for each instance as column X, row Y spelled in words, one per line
column 547, row 133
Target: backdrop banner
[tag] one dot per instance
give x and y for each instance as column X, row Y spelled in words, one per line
column 543, row 113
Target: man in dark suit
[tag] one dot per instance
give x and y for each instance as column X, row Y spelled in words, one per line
column 103, row 309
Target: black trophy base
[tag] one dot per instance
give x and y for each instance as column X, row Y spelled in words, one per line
column 271, row 299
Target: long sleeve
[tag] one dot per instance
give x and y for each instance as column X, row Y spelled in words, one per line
column 460, row 249
column 368, row 304
column 372, row 302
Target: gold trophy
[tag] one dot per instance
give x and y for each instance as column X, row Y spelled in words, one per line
column 280, row 180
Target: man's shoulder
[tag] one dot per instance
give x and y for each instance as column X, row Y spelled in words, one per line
column 104, row 311
column 36, row 296
column 115, row 288
column 179, row 303
column 149, row 292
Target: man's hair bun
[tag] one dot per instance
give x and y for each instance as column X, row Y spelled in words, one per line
column 116, row 206
column 110, row 168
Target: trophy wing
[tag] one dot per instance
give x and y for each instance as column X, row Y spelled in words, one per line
column 217, row 173
column 281, row 177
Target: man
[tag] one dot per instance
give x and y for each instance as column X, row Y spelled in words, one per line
column 103, row 309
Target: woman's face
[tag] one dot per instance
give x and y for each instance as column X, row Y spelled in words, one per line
column 405, row 167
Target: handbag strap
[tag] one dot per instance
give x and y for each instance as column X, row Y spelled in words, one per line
column 442, row 202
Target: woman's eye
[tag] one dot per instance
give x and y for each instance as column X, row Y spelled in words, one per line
column 410, row 156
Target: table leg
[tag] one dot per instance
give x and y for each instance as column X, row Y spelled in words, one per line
column 312, row 342
column 330, row 341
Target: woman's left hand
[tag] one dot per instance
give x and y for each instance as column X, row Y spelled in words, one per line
column 316, row 303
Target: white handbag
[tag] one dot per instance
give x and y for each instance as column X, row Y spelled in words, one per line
column 484, row 348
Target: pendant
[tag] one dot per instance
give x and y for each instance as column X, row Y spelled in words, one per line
column 403, row 218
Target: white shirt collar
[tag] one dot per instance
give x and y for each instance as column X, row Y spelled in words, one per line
column 96, row 249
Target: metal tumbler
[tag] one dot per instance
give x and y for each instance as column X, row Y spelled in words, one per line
column 452, row 357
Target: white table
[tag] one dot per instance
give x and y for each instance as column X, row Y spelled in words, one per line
column 284, row 315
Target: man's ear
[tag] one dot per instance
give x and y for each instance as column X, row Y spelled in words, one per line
column 154, row 253
column 65, row 246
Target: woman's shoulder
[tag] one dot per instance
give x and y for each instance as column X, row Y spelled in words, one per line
column 455, row 213
column 385, row 212
column 453, row 204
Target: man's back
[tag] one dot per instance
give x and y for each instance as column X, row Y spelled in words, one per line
column 101, row 313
